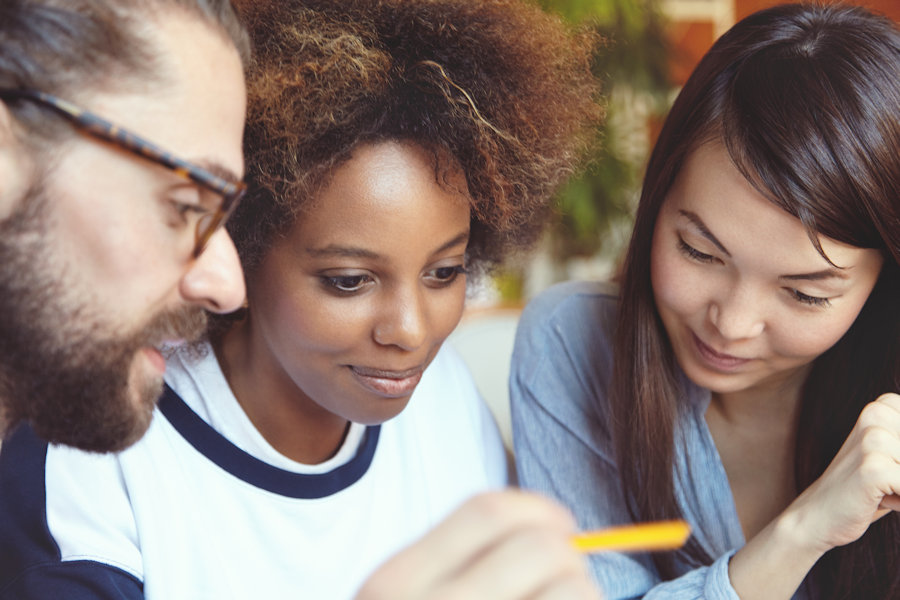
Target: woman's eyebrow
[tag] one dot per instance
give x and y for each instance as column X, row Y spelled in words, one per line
column 341, row 251
column 703, row 229
column 829, row 273
column 455, row 241
column 333, row 250
column 817, row 275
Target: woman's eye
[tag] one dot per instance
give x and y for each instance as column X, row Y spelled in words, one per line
column 446, row 275
column 693, row 253
column 810, row 300
column 346, row 283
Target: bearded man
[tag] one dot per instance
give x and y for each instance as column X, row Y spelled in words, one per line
column 120, row 158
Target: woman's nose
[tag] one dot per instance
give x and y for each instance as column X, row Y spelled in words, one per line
column 403, row 322
column 737, row 316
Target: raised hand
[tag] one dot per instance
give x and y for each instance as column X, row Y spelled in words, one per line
column 861, row 484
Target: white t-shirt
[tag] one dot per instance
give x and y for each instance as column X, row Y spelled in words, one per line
column 203, row 508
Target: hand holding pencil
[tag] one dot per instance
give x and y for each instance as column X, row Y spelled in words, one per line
column 509, row 545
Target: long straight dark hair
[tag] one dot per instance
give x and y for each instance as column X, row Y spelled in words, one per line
column 806, row 98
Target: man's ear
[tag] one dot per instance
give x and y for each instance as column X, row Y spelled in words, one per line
column 16, row 166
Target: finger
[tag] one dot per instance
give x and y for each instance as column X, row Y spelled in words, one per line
column 480, row 522
column 883, row 413
column 467, row 534
column 880, row 440
column 879, row 470
column 891, row 403
column 522, row 564
column 569, row 589
column 889, row 503
column 890, row 398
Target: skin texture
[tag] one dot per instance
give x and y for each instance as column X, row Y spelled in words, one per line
column 204, row 90
column 107, row 237
column 361, row 292
column 744, row 300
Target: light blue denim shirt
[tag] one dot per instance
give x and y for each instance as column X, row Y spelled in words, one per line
column 561, row 368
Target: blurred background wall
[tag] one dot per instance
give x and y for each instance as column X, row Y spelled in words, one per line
column 653, row 47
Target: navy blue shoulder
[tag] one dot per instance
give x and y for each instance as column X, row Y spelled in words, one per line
column 221, row 451
column 24, row 536
column 30, row 564
column 74, row 580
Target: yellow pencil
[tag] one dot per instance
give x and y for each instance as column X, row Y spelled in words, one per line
column 641, row 537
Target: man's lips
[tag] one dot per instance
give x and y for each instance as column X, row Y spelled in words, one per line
column 156, row 353
column 388, row 383
column 155, row 358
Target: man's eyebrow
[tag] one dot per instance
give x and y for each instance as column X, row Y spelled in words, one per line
column 218, row 170
column 703, row 229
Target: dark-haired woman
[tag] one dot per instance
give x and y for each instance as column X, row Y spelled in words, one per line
column 744, row 375
column 394, row 148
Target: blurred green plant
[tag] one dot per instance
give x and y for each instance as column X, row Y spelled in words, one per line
column 633, row 67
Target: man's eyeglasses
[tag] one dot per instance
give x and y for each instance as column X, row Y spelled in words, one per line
column 228, row 193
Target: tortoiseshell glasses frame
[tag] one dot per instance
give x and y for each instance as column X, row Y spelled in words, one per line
column 230, row 191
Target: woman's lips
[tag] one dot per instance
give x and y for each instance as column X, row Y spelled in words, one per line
column 391, row 384
column 715, row 360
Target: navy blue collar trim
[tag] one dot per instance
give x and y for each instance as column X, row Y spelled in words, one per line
column 229, row 457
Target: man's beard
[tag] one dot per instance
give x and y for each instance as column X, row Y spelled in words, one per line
column 62, row 369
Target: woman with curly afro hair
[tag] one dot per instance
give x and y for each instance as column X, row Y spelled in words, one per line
column 324, row 444
column 499, row 91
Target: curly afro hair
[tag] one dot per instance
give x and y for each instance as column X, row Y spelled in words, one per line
column 500, row 87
